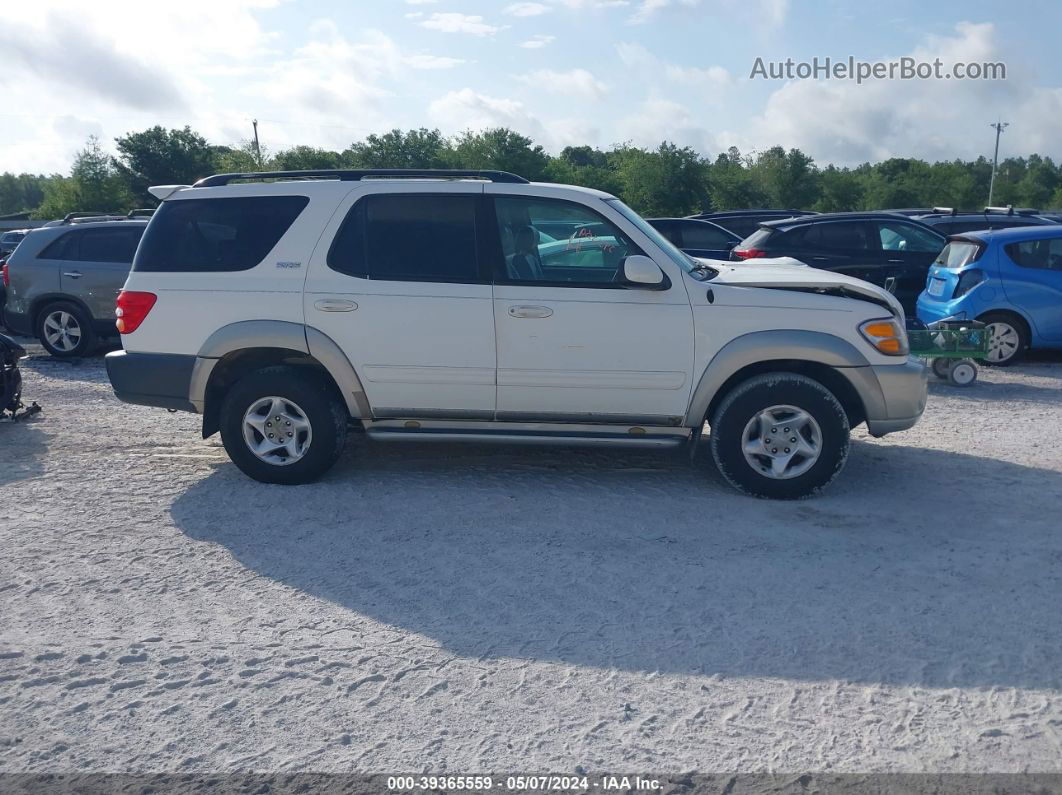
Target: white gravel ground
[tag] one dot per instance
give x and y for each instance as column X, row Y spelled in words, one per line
column 444, row 608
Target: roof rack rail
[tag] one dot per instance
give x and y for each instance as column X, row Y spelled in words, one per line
column 1027, row 210
column 944, row 210
column 88, row 219
column 354, row 175
column 1008, row 210
column 142, row 212
column 74, row 216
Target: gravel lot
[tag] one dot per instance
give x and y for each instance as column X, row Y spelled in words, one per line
column 463, row 609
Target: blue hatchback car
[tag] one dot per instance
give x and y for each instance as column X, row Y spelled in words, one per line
column 1010, row 279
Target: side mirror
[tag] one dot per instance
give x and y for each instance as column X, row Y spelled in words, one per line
column 640, row 271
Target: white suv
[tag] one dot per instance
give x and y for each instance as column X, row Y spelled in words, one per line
column 473, row 305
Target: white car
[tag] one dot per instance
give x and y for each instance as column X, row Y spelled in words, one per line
column 285, row 307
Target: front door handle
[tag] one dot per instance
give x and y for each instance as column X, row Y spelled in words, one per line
column 73, row 274
column 895, row 261
column 530, row 311
column 335, row 305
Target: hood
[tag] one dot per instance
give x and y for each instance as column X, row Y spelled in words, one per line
column 781, row 274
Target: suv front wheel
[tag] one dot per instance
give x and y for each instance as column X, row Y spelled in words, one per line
column 779, row 435
column 283, row 425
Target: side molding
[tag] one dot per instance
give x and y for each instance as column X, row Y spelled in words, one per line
column 758, row 346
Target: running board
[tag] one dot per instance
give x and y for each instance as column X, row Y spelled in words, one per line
column 526, row 433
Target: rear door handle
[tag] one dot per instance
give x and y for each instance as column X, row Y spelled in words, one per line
column 895, row 261
column 335, row 305
column 73, row 274
column 530, row 311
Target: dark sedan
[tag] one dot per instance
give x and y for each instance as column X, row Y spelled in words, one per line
column 885, row 249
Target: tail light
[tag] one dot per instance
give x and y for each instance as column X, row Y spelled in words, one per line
column 6, row 275
column 132, row 308
column 749, row 253
column 968, row 281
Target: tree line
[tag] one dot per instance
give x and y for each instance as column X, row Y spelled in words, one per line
column 666, row 181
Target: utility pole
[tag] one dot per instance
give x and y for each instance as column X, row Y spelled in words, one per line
column 258, row 151
column 999, row 127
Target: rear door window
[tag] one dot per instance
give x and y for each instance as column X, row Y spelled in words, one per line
column 842, row 236
column 62, row 248
column 109, row 245
column 201, row 235
column 409, row 237
column 1039, row 254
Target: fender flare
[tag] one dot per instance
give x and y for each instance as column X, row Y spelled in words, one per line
column 250, row 334
column 792, row 344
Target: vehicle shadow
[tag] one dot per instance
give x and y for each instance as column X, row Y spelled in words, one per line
column 918, row 567
column 22, row 448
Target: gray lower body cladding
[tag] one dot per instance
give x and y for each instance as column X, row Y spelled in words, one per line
column 152, row 379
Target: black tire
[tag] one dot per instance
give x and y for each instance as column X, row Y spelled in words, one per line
column 941, row 367
column 746, row 401
column 1017, row 327
column 313, row 395
column 86, row 342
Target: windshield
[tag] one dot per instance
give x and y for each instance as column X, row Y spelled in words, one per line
column 688, row 264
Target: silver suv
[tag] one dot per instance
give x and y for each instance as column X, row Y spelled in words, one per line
column 62, row 282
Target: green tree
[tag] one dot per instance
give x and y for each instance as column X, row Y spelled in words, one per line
column 94, row 185
column 669, row 181
column 158, row 156
column 785, row 179
column 500, row 149
column 421, row 148
column 302, row 158
column 730, row 183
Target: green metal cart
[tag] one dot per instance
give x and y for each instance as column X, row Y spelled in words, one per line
column 952, row 348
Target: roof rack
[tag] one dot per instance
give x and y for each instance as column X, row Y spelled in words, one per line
column 89, row 219
column 74, row 216
column 944, row 211
column 354, row 175
column 1027, row 210
column 144, row 212
column 1008, row 210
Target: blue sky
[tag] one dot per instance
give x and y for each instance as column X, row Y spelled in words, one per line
column 562, row 71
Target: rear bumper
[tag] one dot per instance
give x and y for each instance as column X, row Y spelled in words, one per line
column 904, row 390
column 18, row 323
column 152, row 379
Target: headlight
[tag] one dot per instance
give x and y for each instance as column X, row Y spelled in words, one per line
column 886, row 335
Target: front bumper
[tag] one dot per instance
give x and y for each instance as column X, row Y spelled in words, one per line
column 904, row 390
column 152, row 379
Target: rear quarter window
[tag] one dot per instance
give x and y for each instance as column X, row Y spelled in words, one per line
column 958, row 253
column 203, row 235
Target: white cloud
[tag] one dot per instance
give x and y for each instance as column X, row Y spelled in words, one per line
column 433, row 61
column 576, row 82
column 527, row 9
column 537, row 42
column 470, row 110
column 840, row 121
column 657, row 120
column 648, row 8
column 450, row 22
column 710, row 81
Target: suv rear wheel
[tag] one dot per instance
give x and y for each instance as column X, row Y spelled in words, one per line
column 283, row 425
column 65, row 330
column 779, row 435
